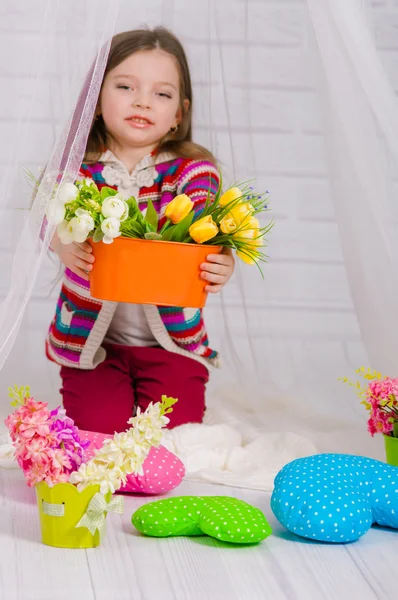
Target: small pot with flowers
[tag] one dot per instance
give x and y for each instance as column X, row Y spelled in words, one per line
column 379, row 395
column 139, row 259
column 74, row 487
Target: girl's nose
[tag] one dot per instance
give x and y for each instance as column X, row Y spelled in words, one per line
column 142, row 101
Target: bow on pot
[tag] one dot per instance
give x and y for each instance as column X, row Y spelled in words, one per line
column 95, row 515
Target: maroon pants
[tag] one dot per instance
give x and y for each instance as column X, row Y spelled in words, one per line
column 105, row 398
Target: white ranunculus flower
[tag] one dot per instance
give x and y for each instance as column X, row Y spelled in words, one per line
column 67, row 193
column 65, row 233
column 126, row 211
column 110, row 227
column 114, row 206
column 81, row 225
column 56, row 213
column 85, row 215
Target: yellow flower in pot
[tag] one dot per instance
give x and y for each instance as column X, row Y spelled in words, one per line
column 178, row 208
column 241, row 212
column 230, row 195
column 249, row 239
column 203, row 230
column 124, row 238
column 228, row 225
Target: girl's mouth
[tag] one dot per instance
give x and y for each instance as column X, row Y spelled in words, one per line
column 139, row 122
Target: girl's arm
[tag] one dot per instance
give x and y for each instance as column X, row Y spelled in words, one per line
column 196, row 180
column 76, row 257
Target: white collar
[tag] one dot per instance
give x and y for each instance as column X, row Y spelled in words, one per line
column 148, row 160
column 143, row 174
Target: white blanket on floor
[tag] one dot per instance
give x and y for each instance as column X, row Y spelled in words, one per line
column 235, row 453
column 224, row 450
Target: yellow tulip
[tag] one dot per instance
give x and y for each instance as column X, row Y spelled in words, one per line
column 248, row 259
column 203, row 230
column 228, row 225
column 241, row 212
column 230, row 195
column 250, row 237
column 178, row 208
column 251, row 223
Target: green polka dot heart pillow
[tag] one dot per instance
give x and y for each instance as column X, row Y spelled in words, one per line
column 168, row 517
column 221, row 517
column 232, row 520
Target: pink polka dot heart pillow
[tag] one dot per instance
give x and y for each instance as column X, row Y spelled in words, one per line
column 163, row 471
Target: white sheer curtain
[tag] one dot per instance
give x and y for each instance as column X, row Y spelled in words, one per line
column 331, row 277
column 361, row 117
column 69, row 53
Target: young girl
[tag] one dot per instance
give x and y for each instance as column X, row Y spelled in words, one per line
column 115, row 357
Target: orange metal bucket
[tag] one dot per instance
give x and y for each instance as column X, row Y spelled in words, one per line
column 150, row 272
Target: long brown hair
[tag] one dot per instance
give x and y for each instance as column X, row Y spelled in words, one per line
column 124, row 45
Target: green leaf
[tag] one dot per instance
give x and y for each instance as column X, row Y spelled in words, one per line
column 34, row 182
column 212, row 204
column 180, row 230
column 395, row 429
column 132, row 204
column 106, row 191
column 132, row 229
column 151, row 216
column 18, row 395
column 149, row 228
column 98, row 235
column 152, row 235
column 167, row 235
column 206, row 208
column 166, row 404
column 134, row 211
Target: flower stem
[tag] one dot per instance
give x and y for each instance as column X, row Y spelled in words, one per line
column 165, row 226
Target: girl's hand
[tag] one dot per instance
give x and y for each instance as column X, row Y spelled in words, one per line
column 218, row 270
column 76, row 257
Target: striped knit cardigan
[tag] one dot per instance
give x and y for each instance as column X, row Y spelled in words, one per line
column 81, row 322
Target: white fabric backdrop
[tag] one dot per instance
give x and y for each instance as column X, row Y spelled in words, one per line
column 287, row 339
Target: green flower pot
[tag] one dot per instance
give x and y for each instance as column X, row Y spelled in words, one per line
column 391, row 445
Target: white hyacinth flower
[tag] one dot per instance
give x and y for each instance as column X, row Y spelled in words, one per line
column 124, row 454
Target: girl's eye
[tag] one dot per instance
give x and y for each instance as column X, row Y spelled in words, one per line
column 124, row 87
column 164, row 95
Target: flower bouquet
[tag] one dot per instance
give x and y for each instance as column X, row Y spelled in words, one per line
column 143, row 259
column 75, row 492
column 379, row 395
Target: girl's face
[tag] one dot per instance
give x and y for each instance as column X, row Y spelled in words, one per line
column 140, row 99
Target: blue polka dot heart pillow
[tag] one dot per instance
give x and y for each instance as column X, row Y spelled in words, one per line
column 335, row 497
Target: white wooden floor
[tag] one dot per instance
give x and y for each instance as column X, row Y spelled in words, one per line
column 129, row 566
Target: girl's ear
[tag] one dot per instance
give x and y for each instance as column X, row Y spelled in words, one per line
column 179, row 114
